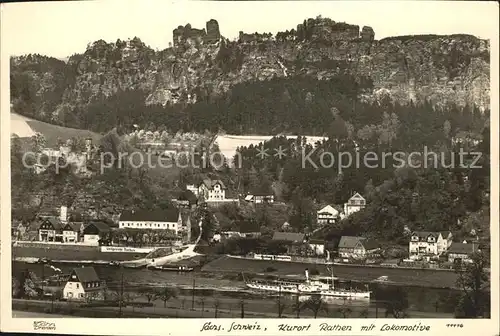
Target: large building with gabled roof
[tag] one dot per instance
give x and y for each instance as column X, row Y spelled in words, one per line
column 160, row 219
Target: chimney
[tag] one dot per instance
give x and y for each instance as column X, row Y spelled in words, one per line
column 63, row 214
column 307, row 274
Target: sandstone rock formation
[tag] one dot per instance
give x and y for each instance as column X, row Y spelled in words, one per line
column 441, row 69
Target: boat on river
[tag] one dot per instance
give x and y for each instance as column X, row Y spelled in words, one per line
column 323, row 286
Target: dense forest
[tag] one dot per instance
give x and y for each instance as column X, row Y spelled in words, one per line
column 436, row 198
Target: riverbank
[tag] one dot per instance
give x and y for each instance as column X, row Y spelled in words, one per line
column 72, row 254
column 208, row 307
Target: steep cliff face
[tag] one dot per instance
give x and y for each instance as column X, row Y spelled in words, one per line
column 443, row 69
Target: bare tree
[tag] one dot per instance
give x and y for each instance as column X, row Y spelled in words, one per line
column 242, row 306
column 297, row 307
column 316, row 304
column 149, row 294
column 201, row 302
column 363, row 313
column 281, row 307
column 166, row 294
column 216, row 306
column 344, row 311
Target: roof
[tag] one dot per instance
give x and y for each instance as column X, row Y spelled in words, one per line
column 211, row 183
column 316, row 241
column 370, row 244
column 329, row 209
column 424, row 234
column 289, row 236
column 261, row 191
column 86, row 274
column 357, row 196
column 462, row 248
column 102, row 227
column 187, row 195
column 56, row 222
column 445, row 234
column 73, row 226
column 350, row 241
column 246, row 226
column 170, row 215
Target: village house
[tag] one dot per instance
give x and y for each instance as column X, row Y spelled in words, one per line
column 50, row 230
column 354, row 204
column 212, row 190
column 71, row 232
column 327, row 215
column 168, row 219
column 243, row 229
column 444, row 241
column 425, row 244
column 462, row 251
column 83, row 284
column 258, row 197
column 317, row 246
column 185, row 199
column 94, row 231
column 295, row 241
column 357, row 247
column 193, row 189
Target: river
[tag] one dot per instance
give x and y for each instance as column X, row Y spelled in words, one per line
column 227, row 288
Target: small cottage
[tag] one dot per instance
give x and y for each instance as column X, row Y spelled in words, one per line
column 93, row 232
column 462, row 251
column 317, row 246
column 50, row 230
column 357, row 247
column 83, row 284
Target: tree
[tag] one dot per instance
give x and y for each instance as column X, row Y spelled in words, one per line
column 15, row 287
column 316, row 304
column 216, row 306
column 242, row 307
column 447, row 129
column 166, row 294
column 149, row 294
column 38, row 142
column 297, row 307
column 397, row 303
column 473, row 282
column 201, row 302
column 281, row 305
column 363, row 313
column 344, row 311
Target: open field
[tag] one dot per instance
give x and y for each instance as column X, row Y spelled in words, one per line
column 25, row 127
column 229, row 143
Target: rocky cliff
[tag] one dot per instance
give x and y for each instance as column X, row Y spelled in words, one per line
column 442, row 69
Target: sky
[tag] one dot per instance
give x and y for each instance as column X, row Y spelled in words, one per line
column 60, row 29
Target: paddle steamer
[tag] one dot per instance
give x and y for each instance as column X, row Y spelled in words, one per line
column 323, row 286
